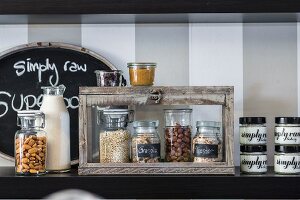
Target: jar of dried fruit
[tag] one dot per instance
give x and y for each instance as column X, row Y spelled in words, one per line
column 207, row 145
column 178, row 135
column 114, row 137
column 30, row 143
column 145, row 144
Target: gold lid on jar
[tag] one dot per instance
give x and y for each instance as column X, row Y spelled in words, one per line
column 141, row 65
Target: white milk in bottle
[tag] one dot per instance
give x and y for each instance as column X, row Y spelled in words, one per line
column 57, row 127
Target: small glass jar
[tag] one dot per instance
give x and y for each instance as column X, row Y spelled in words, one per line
column 115, row 139
column 141, row 74
column 207, row 145
column 111, row 78
column 145, row 145
column 287, row 131
column 254, row 159
column 178, row 135
column 287, row 159
column 253, row 131
column 30, row 143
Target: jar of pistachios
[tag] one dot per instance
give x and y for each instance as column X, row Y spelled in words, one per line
column 145, row 145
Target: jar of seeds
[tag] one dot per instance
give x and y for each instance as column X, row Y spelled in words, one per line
column 145, row 145
column 115, row 138
column 178, row 135
column 207, row 145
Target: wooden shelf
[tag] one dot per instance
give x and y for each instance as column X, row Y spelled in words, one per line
column 171, row 187
column 146, row 6
column 147, row 11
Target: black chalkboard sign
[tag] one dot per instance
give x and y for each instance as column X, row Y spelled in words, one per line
column 148, row 150
column 24, row 69
column 206, row 150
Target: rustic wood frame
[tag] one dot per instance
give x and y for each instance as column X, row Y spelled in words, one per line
column 196, row 95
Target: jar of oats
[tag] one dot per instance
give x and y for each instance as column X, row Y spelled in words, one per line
column 30, row 143
column 207, row 146
column 145, row 145
column 114, row 138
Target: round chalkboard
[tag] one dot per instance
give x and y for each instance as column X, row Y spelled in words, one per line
column 24, row 69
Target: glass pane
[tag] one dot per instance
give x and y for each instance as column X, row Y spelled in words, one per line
column 155, row 112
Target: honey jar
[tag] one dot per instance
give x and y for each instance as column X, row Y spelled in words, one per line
column 141, row 74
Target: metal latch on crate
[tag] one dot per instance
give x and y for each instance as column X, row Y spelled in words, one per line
column 156, row 95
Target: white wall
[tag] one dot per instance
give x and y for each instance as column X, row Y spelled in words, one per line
column 216, row 59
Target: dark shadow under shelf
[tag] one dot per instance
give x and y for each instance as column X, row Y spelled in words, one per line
column 141, row 187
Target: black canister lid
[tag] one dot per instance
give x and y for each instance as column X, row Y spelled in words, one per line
column 252, row 120
column 254, row 148
column 287, row 149
column 287, row 120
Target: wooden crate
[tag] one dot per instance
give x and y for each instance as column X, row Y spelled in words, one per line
column 104, row 96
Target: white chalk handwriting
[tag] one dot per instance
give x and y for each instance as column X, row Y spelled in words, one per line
column 26, row 66
column 21, row 102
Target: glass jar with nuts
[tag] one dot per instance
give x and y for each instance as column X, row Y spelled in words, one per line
column 207, row 145
column 178, row 135
column 145, row 144
column 115, row 138
column 30, row 143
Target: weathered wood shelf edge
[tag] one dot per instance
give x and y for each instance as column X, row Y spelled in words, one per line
column 154, row 169
column 267, row 186
column 154, row 95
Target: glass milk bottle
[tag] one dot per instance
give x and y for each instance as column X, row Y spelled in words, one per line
column 57, row 126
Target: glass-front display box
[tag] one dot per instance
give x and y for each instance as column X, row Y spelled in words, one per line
column 156, row 130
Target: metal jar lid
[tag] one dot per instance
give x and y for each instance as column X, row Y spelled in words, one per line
column 117, row 117
column 252, row 120
column 253, row 149
column 108, row 71
column 182, row 110
column 30, row 114
column 287, row 120
column 287, row 149
column 208, row 124
column 141, row 65
column 152, row 124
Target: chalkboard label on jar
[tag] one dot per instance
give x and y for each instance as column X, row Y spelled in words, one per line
column 148, row 150
column 206, row 150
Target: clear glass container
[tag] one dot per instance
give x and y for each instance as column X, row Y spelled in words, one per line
column 30, row 143
column 57, row 126
column 287, row 159
column 141, row 74
column 287, row 131
column 114, row 139
column 207, row 144
column 253, row 159
column 112, row 78
column 178, row 135
column 145, row 144
column 253, row 131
